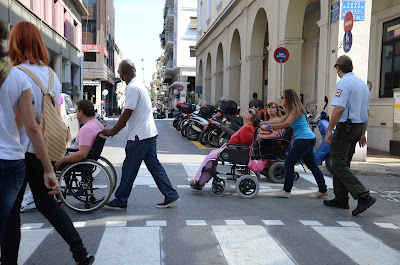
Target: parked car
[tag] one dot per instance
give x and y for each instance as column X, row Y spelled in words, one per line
column 68, row 114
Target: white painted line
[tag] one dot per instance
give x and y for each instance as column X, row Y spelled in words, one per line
column 153, row 186
column 310, row 222
column 313, row 188
column 360, row 246
column 265, row 187
column 156, row 223
column 31, row 226
column 129, row 245
column 310, row 178
column 191, row 169
column 235, row 222
column 116, row 223
column 183, row 186
column 260, row 247
column 348, row 224
column 372, row 191
column 30, row 241
column 387, row 225
column 196, row 222
column 79, row 224
column 273, row 222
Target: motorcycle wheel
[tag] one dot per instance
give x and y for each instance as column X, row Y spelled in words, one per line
column 191, row 134
column 180, row 123
column 213, row 137
column 175, row 123
column 184, row 130
column 328, row 163
column 203, row 137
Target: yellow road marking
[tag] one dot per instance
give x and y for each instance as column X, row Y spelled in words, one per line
column 196, row 143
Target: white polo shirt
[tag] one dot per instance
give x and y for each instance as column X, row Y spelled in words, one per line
column 352, row 94
column 11, row 89
column 141, row 123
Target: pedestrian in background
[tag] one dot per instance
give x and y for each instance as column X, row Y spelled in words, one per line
column 26, row 48
column 256, row 103
column 350, row 116
column 142, row 141
column 303, row 147
column 15, row 91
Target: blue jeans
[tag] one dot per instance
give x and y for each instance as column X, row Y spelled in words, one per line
column 302, row 148
column 47, row 205
column 136, row 152
column 12, row 175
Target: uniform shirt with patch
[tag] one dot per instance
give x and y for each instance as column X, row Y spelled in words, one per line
column 352, row 94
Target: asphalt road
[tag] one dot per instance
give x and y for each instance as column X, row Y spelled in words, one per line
column 203, row 229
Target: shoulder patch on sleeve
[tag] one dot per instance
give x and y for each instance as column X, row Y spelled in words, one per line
column 338, row 92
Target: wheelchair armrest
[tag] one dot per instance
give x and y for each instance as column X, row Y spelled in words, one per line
column 238, row 146
column 72, row 150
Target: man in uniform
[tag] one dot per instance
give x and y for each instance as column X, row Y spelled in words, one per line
column 350, row 116
column 142, row 145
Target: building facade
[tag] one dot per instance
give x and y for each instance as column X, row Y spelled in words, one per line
column 59, row 22
column 120, row 86
column 98, row 45
column 178, row 39
column 237, row 40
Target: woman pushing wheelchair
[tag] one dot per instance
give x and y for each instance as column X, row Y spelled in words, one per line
column 302, row 148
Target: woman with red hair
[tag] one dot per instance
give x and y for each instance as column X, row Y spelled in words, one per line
column 26, row 49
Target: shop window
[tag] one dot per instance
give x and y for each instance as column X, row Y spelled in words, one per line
column 390, row 62
column 89, row 56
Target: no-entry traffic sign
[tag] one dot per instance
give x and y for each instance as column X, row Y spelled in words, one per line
column 180, row 87
column 348, row 21
column 281, row 55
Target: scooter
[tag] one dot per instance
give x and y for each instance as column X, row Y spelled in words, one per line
column 322, row 152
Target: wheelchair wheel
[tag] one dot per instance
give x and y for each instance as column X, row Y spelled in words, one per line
column 218, row 188
column 247, row 186
column 85, row 186
column 109, row 166
column 276, row 172
column 296, row 175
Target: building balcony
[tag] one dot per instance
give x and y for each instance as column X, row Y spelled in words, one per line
column 169, row 19
column 170, row 42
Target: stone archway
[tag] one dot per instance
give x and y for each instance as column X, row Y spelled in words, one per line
column 207, row 81
column 234, row 72
column 256, row 60
column 219, row 73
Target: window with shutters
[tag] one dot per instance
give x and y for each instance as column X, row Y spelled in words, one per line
column 193, row 22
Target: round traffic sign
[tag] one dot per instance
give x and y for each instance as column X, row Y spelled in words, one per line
column 347, row 41
column 180, row 87
column 348, row 21
column 281, row 55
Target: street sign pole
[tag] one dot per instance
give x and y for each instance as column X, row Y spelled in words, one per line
column 281, row 79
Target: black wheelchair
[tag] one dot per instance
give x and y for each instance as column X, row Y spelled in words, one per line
column 272, row 152
column 86, row 186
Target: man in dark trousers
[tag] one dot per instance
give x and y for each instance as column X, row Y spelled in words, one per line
column 256, row 103
column 141, row 146
column 350, row 116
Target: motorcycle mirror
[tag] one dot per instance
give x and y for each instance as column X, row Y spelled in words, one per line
column 326, row 101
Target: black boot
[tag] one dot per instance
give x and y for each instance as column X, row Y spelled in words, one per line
column 335, row 203
column 363, row 204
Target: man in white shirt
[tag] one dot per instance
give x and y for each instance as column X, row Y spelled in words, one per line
column 141, row 146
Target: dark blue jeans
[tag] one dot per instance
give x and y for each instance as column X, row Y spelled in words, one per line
column 12, row 175
column 302, row 148
column 136, row 152
column 47, row 206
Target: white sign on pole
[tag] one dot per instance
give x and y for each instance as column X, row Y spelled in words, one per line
column 182, row 96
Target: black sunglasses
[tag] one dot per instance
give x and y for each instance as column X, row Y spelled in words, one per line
column 250, row 111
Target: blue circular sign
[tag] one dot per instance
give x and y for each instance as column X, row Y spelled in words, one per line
column 180, row 87
column 347, row 41
column 281, row 55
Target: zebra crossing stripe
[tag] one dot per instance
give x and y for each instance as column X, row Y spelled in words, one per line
column 30, row 240
column 196, row 222
column 156, row 223
column 260, row 248
column 310, row 222
column 348, row 223
column 358, row 245
column 116, row 223
column 310, row 178
column 273, row 222
column 31, row 226
column 79, row 224
column 235, row 222
column 129, row 245
column 387, row 225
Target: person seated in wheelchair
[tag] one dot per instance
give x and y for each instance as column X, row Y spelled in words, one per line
column 86, row 135
column 244, row 136
column 271, row 113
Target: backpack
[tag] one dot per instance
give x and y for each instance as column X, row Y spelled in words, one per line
column 55, row 132
column 5, row 68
